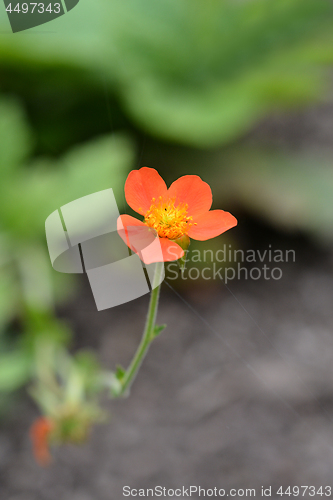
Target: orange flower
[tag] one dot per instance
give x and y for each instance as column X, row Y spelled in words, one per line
column 39, row 433
column 176, row 213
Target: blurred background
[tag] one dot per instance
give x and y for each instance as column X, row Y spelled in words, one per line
column 238, row 391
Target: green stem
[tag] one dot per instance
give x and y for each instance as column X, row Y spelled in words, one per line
column 148, row 334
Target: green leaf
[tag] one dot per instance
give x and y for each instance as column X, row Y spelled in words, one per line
column 15, row 136
column 221, row 67
column 292, row 191
column 87, row 364
column 15, row 370
column 9, row 296
column 45, row 186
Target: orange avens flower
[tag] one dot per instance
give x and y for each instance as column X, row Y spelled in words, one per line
column 181, row 211
column 39, row 433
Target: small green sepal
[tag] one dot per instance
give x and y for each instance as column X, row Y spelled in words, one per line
column 114, row 381
column 184, row 242
column 120, row 372
column 157, row 330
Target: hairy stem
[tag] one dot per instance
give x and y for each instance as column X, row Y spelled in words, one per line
column 148, row 334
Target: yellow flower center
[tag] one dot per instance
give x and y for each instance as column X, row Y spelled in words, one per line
column 168, row 220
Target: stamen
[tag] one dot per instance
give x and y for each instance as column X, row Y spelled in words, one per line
column 168, row 220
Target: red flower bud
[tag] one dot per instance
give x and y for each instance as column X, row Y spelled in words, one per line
column 39, row 434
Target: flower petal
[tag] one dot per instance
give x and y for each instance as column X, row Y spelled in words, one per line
column 127, row 220
column 124, row 223
column 39, row 434
column 143, row 242
column 142, row 186
column 191, row 189
column 170, row 250
column 211, row 224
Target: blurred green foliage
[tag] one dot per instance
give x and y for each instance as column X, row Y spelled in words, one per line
column 191, row 71
column 30, row 190
column 202, row 72
column 292, row 191
column 195, row 75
